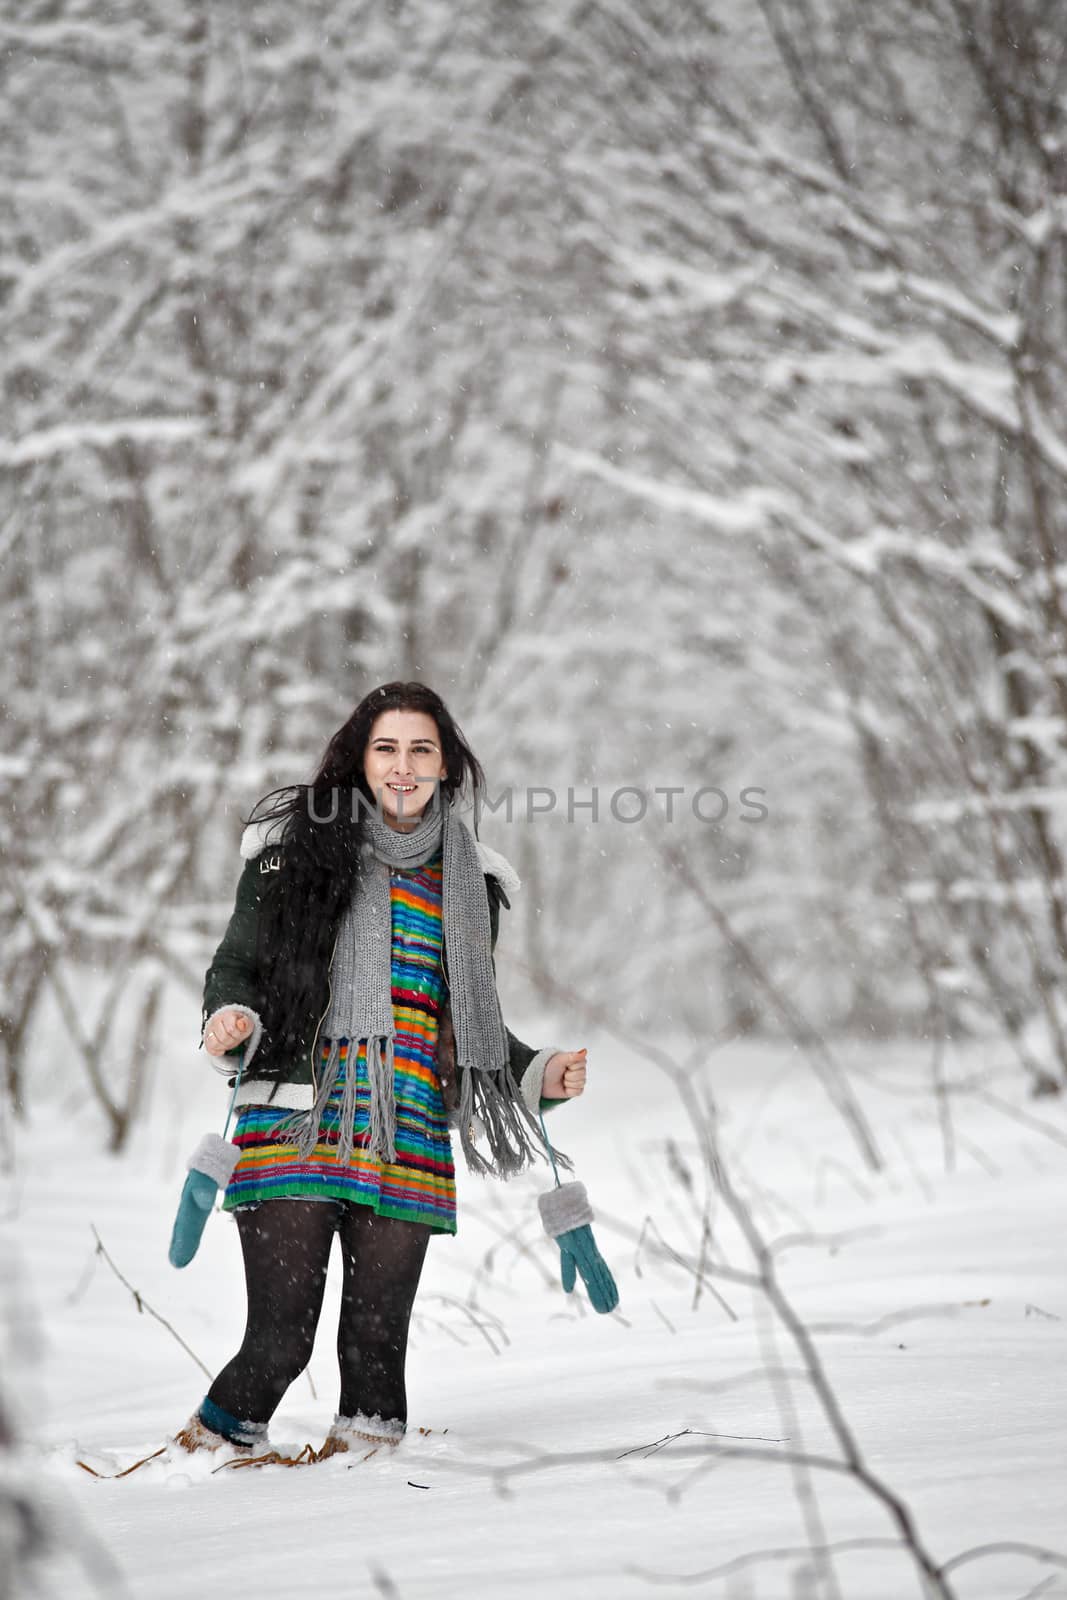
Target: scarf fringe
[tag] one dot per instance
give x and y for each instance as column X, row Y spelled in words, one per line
column 303, row 1127
column 496, row 1099
column 493, row 1097
column 381, row 1135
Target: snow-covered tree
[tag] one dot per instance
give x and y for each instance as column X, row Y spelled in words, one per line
column 680, row 393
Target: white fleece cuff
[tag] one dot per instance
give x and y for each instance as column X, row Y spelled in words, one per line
column 563, row 1208
column 216, row 1158
column 227, row 1063
column 533, row 1078
column 289, row 1096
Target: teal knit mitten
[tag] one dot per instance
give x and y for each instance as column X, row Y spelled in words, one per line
column 567, row 1214
column 210, row 1169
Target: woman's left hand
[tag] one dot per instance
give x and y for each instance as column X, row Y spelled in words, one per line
column 564, row 1075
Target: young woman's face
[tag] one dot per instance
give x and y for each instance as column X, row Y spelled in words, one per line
column 402, row 759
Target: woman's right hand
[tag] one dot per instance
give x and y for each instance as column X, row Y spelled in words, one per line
column 225, row 1030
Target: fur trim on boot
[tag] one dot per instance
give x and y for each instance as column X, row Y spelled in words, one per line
column 352, row 1434
column 196, row 1435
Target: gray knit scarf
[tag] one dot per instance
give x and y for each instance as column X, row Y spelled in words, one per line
column 361, row 1007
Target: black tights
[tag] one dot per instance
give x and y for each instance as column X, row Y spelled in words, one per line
column 286, row 1245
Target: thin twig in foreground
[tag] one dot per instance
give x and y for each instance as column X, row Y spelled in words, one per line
column 807, row 1037
column 1006, row 1547
column 998, row 1103
column 142, row 1304
column 798, row 1552
column 704, row 1121
column 892, row 1318
column 646, row 1450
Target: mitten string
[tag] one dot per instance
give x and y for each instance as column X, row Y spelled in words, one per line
column 548, row 1144
column 233, row 1097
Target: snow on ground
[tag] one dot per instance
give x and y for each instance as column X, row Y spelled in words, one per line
column 937, row 1300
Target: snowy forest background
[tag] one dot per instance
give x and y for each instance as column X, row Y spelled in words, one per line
column 679, row 389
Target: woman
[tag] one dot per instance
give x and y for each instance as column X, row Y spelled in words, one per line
column 356, row 976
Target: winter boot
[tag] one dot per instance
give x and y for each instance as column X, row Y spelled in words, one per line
column 196, row 1436
column 361, row 1434
column 212, row 1428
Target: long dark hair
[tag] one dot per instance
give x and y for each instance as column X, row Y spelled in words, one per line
column 320, row 827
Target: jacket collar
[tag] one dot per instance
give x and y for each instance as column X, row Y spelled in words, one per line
column 258, row 836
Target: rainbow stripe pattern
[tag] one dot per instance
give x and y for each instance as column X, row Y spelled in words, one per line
column 420, row 1185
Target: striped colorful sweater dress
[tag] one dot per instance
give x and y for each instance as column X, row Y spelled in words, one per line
column 420, row 1185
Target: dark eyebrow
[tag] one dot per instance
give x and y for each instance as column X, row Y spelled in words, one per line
column 383, row 738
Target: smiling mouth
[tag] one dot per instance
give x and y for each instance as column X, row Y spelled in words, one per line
column 401, row 788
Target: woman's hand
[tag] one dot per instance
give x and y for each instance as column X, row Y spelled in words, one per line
column 226, row 1030
column 564, row 1075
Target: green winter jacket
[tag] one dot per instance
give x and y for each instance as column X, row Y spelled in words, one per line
column 232, row 980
